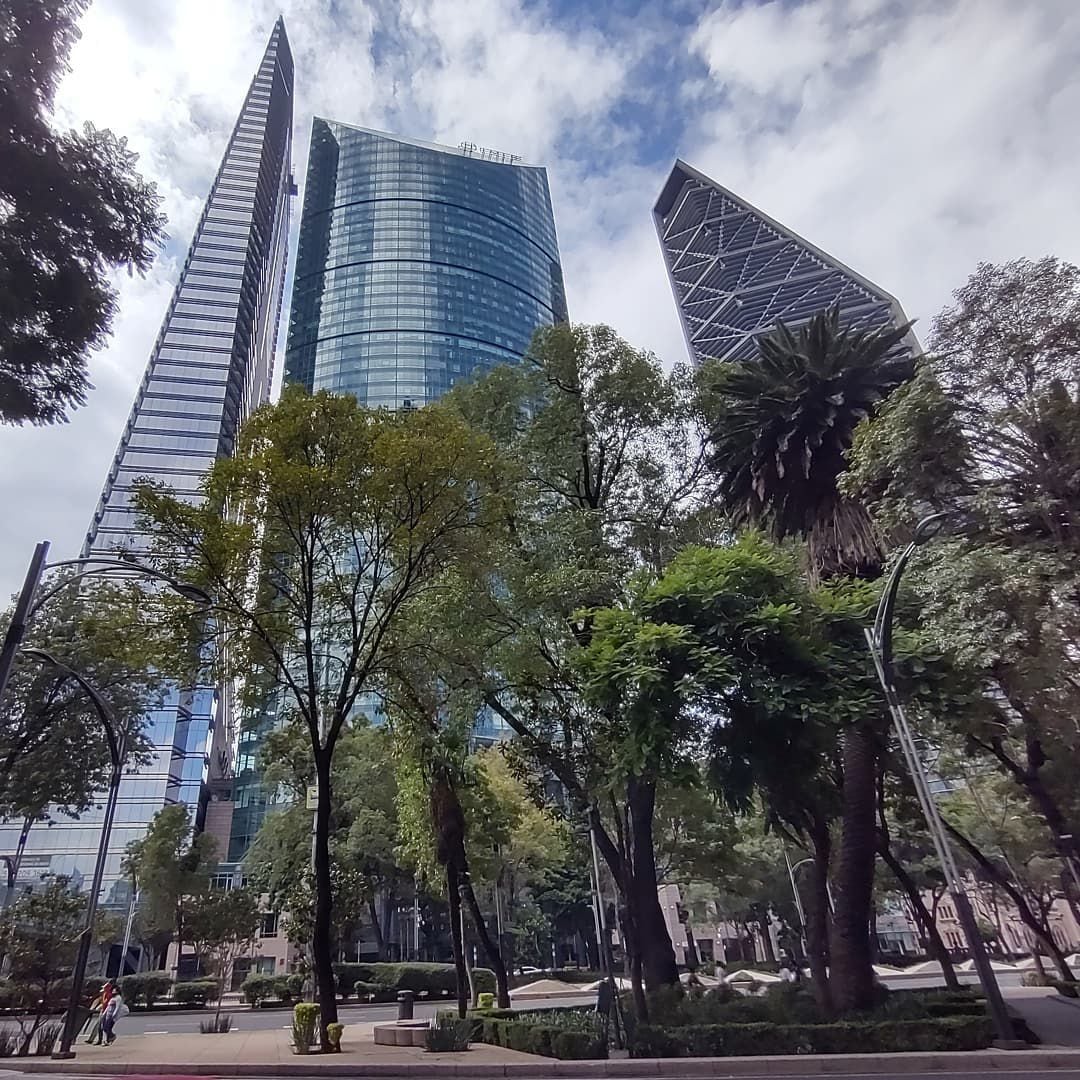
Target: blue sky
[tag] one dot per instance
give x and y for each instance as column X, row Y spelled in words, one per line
column 910, row 138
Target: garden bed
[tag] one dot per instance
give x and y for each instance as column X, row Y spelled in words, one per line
column 565, row 1034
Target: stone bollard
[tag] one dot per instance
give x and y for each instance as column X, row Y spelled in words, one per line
column 405, row 1004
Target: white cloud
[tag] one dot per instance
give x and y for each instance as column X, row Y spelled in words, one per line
column 911, row 139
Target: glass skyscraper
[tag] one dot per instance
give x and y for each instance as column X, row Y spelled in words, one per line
column 210, row 367
column 735, row 272
column 417, row 266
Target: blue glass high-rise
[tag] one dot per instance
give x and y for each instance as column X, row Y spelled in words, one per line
column 735, row 272
column 417, row 266
column 211, row 365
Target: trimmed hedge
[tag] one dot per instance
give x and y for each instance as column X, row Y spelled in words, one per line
column 503, row 1027
column 432, row 980
column 257, row 988
column 145, row 988
column 195, row 992
column 843, row 1037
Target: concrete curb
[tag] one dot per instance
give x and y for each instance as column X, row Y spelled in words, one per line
column 979, row 1061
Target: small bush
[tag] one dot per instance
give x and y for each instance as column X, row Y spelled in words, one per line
column 305, row 1022
column 9, row 1041
column 258, row 988
column 196, row 992
column 333, row 1035
column 1070, row 989
column 219, row 1025
column 373, row 992
column 448, row 1034
column 1033, row 978
column 145, row 988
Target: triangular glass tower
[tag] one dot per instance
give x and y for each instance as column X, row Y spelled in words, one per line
column 213, row 360
column 735, row 272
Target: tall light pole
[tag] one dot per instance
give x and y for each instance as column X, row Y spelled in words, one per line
column 29, row 603
column 117, row 738
column 879, row 640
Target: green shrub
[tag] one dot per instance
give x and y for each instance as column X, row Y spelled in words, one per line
column 567, row 1034
column 305, row 1022
column 842, row 1037
column 333, row 1036
column 48, row 1035
column 195, row 992
column 257, row 988
column 145, row 988
column 1069, row 989
column 425, row 980
column 448, row 1034
column 219, row 1025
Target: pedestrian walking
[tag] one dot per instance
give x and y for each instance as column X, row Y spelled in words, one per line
column 92, row 1029
column 113, row 1012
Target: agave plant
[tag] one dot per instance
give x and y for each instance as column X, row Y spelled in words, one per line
column 781, row 424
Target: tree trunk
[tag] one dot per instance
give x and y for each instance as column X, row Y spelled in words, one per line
column 852, row 961
column 1036, row 957
column 817, row 918
column 453, row 900
column 373, row 912
column 491, row 950
column 322, row 933
column 657, row 953
column 927, row 925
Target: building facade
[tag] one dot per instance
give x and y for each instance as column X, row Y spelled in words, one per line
column 417, row 266
column 211, row 365
column 736, row 272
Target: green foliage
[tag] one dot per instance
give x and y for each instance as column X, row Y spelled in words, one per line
column 53, row 748
column 447, row 1034
column 173, row 865
column 219, row 1025
column 305, row 1021
column 145, row 987
column 333, row 1035
column 38, row 936
column 221, row 926
column 257, row 988
column 76, row 211
column 425, row 980
column 195, row 992
column 565, row 1034
column 962, row 1033
column 781, row 423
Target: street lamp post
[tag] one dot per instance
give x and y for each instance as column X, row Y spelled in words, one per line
column 879, row 640
column 117, row 741
column 29, row 603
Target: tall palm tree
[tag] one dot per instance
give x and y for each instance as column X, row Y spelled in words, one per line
column 780, row 426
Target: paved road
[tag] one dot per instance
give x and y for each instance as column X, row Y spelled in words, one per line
column 140, row 1023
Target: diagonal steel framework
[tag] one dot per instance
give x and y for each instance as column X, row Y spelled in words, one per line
column 735, row 271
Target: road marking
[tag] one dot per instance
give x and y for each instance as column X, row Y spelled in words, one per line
column 157, row 1032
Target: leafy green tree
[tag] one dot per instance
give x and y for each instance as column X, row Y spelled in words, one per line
column 990, row 427
column 38, row 936
column 781, row 425
column 75, row 210
column 364, row 830
column 54, row 755
column 222, row 926
column 172, row 864
column 340, row 517
column 605, row 476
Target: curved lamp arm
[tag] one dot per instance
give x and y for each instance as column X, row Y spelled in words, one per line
column 108, row 566
column 108, row 720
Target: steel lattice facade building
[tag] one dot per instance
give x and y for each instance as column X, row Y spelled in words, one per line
column 736, row 272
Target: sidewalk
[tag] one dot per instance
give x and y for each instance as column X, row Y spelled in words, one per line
column 269, row 1054
column 1054, row 1018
